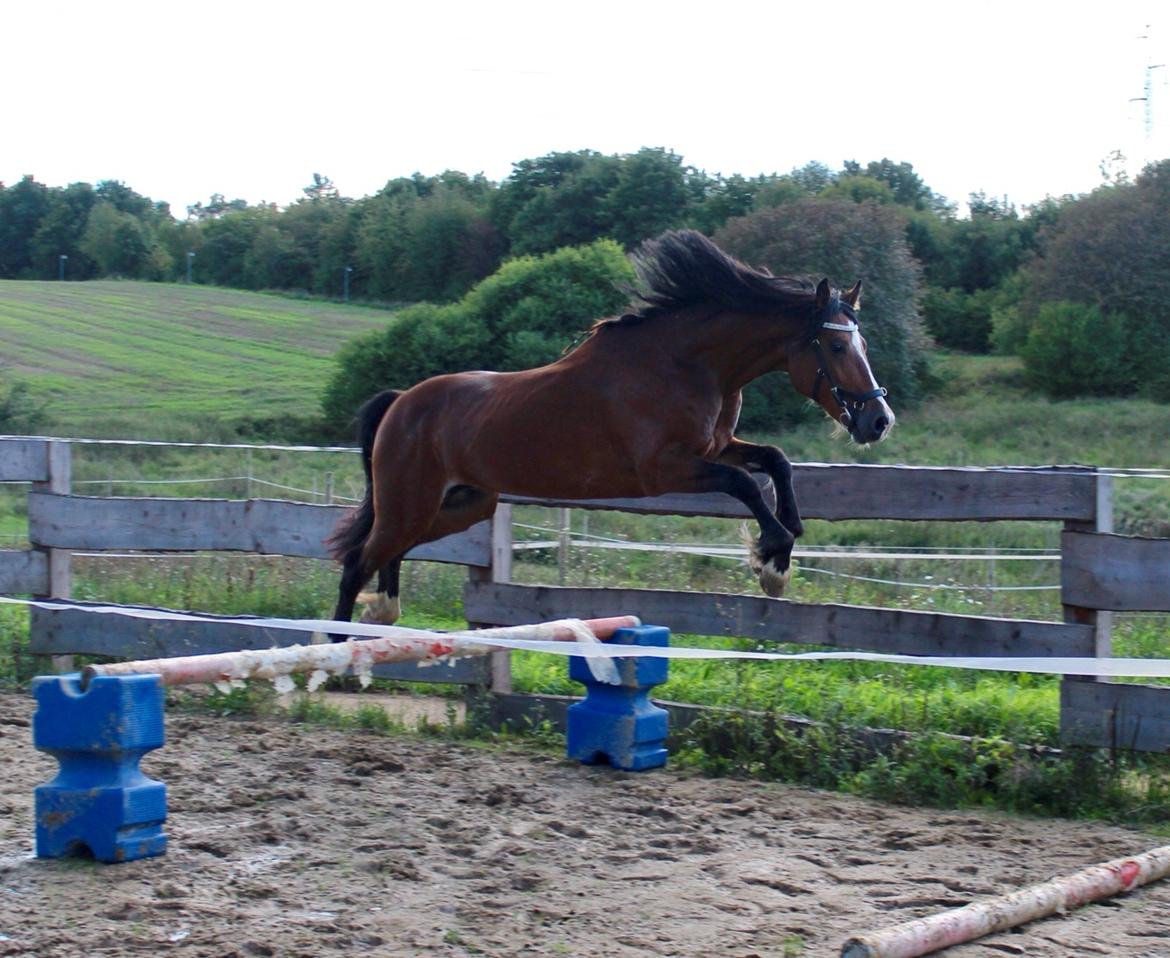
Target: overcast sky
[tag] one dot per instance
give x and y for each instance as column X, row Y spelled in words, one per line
column 249, row 99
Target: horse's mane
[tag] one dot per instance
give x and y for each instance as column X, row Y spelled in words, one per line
column 682, row 269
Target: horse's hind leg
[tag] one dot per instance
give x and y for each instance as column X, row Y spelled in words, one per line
column 383, row 606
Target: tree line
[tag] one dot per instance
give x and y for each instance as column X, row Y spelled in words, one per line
column 999, row 278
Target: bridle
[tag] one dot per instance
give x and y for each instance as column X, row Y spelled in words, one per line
column 851, row 403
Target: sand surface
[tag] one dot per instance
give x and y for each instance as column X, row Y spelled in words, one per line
column 303, row 842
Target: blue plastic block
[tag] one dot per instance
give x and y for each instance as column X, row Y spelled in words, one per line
column 619, row 723
column 100, row 800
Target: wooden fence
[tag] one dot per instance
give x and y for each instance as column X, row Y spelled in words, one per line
column 1101, row 573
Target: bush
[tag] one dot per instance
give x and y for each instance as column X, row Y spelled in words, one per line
column 524, row 315
column 959, row 320
column 1076, row 350
column 21, row 413
column 845, row 241
column 1109, row 250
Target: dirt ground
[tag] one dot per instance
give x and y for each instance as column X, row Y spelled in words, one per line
column 304, row 842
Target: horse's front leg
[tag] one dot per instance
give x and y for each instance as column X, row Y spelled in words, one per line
column 770, row 556
column 772, row 462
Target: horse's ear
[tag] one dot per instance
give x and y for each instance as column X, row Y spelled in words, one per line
column 824, row 291
column 853, row 297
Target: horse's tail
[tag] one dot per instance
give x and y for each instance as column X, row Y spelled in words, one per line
column 353, row 529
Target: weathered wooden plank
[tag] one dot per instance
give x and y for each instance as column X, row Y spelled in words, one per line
column 837, row 491
column 24, row 571
column 831, row 491
column 1119, row 573
column 76, row 632
column 24, row 460
column 1115, row 715
column 774, row 620
column 265, row 526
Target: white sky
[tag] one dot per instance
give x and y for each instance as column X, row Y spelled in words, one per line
column 250, row 98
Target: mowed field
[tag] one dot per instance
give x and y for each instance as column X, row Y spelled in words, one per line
column 107, row 353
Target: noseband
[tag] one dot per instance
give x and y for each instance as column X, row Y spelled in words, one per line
column 851, row 403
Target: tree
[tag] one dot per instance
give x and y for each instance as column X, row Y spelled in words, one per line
column 424, row 238
column 60, row 233
column 845, row 241
column 115, row 240
column 858, row 188
column 1075, row 349
column 650, row 196
column 523, row 315
column 225, row 243
column 1109, row 250
column 556, row 200
column 906, row 187
column 22, row 208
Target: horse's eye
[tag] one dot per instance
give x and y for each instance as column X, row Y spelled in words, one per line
column 837, row 346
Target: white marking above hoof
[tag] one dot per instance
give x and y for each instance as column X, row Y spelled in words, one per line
column 772, row 580
column 380, row 608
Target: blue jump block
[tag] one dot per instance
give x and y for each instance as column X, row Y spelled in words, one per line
column 100, row 799
column 619, row 723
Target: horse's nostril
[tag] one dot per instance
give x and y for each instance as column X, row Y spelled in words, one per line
column 880, row 425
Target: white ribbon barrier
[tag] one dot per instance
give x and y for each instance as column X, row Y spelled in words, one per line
column 1045, row 665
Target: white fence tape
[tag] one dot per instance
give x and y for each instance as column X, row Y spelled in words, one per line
column 1055, row 665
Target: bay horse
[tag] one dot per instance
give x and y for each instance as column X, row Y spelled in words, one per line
column 646, row 404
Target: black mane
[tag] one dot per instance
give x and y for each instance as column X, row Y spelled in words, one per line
column 682, row 269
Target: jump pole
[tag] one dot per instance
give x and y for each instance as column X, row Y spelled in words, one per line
column 99, row 728
column 926, row 935
column 401, row 645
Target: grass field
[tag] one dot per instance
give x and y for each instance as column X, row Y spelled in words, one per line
column 151, row 360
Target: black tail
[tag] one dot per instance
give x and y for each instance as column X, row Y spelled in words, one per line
column 353, row 529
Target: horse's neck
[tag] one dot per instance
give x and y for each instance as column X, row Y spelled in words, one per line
column 738, row 347
column 734, row 348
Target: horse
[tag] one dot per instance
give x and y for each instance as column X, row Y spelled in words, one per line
column 646, row 404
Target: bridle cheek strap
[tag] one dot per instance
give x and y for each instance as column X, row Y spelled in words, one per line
column 850, row 402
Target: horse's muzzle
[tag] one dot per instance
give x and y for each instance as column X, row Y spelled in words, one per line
column 871, row 423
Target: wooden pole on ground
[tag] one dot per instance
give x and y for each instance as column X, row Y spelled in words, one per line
column 926, row 935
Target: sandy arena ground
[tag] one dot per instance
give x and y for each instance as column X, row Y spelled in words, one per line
column 301, row 842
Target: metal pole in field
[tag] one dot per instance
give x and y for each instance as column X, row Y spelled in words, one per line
column 348, row 270
column 190, row 256
column 563, row 543
column 61, row 266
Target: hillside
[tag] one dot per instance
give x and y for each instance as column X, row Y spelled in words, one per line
column 155, row 360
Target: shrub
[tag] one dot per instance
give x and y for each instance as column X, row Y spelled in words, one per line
column 522, row 316
column 1075, row 350
column 959, row 320
column 845, row 241
column 21, row 413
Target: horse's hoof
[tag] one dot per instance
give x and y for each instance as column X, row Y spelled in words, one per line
column 773, row 580
column 380, row 608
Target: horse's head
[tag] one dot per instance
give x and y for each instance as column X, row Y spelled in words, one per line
column 830, row 366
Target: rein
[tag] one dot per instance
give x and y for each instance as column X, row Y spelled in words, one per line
column 850, row 402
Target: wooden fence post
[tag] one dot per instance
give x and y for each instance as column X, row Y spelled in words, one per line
column 60, row 561
column 1101, row 621
column 499, row 571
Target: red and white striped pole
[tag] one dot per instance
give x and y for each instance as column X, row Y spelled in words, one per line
column 926, row 935
column 401, row 645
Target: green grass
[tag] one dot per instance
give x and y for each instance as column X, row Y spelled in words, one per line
column 165, row 361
